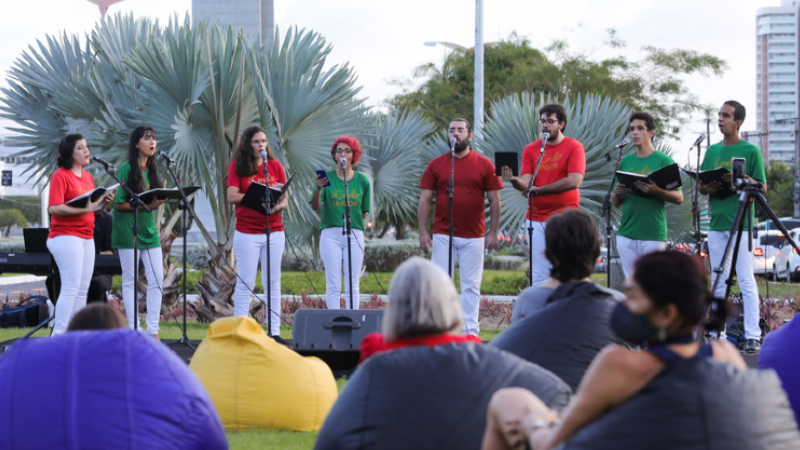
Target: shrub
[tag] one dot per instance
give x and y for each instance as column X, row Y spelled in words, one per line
column 12, row 246
column 384, row 255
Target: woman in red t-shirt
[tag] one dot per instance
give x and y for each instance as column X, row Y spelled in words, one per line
column 249, row 239
column 71, row 239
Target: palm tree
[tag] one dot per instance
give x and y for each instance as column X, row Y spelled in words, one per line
column 199, row 87
column 598, row 123
column 394, row 162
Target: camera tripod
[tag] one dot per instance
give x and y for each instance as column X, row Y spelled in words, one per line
column 748, row 194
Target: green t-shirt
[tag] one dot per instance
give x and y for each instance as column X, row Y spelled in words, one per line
column 644, row 218
column 723, row 211
column 122, row 231
column 332, row 201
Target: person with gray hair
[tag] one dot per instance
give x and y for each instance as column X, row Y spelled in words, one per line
column 423, row 302
column 424, row 309
column 422, row 385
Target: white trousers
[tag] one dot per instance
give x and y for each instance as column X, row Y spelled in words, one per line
column 249, row 248
column 744, row 274
column 631, row 249
column 333, row 250
column 469, row 254
column 75, row 260
column 541, row 266
column 154, row 269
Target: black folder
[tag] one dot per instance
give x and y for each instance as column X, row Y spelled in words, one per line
column 718, row 174
column 510, row 159
column 667, row 177
column 254, row 196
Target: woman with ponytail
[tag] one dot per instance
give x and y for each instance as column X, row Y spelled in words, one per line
column 666, row 311
column 139, row 173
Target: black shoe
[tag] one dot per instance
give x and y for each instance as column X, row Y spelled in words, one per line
column 282, row 341
column 752, row 346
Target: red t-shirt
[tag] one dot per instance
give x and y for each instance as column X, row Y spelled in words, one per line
column 248, row 220
column 64, row 186
column 473, row 176
column 559, row 161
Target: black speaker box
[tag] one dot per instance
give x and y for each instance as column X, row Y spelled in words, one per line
column 334, row 335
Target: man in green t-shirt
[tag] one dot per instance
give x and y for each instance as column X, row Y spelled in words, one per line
column 722, row 212
column 643, row 228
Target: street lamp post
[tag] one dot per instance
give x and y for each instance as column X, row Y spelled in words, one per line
column 478, row 103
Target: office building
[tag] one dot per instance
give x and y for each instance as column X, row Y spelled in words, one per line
column 777, row 80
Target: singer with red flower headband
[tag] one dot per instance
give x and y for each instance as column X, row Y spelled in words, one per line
column 329, row 199
column 249, row 238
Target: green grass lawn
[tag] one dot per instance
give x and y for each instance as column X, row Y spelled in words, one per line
column 495, row 282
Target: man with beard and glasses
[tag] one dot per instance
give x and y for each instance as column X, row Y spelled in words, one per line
column 723, row 211
column 556, row 185
column 473, row 179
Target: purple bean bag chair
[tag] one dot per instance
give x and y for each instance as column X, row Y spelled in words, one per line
column 115, row 389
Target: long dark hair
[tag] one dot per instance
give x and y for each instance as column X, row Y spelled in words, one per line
column 680, row 279
column 135, row 178
column 65, row 150
column 244, row 157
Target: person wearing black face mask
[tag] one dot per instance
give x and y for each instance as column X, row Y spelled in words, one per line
column 666, row 302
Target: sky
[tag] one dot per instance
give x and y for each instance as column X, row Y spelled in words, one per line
column 384, row 40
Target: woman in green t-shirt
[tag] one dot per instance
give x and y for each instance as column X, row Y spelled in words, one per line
column 329, row 198
column 139, row 173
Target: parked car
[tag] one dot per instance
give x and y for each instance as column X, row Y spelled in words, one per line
column 786, row 265
column 765, row 246
column 789, row 222
column 602, row 261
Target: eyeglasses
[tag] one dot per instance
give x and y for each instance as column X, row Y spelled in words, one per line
column 547, row 121
column 343, row 150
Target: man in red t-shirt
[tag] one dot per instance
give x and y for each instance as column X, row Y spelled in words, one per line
column 473, row 179
column 557, row 181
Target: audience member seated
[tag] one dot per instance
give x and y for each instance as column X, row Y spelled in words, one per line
column 420, row 384
column 106, row 389
column 562, row 324
column 255, row 382
column 97, row 316
column 678, row 393
column 781, row 352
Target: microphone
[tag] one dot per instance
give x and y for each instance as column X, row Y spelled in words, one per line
column 264, row 156
column 344, row 163
column 166, row 157
column 452, row 143
column 620, row 145
column 102, row 161
column 545, row 136
column 699, row 139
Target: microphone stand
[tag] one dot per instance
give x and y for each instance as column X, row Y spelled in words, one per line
column 135, row 203
column 347, row 230
column 183, row 205
column 606, row 213
column 268, row 231
column 530, row 207
column 696, row 206
column 450, row 228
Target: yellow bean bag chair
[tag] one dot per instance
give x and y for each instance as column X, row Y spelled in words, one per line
column 255, row 382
